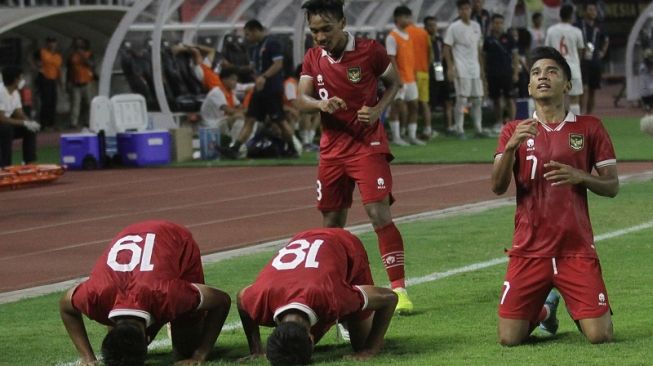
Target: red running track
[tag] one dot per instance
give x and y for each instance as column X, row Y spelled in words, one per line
column 55, row 232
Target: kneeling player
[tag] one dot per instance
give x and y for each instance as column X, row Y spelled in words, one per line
column 320, row 277
column 151, row 274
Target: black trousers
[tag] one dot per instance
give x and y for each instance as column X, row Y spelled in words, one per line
column 48, row 93
column 8, row 133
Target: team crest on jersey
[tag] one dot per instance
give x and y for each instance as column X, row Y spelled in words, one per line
column 576, row 141
column 354, row 74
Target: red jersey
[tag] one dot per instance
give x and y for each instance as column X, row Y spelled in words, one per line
column 553, row 221
column 148, row 271
column 353, row 78
column 316, row 273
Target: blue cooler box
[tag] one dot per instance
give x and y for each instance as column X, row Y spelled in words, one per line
column 209, row 143
column 144, row 148
column 80, row 151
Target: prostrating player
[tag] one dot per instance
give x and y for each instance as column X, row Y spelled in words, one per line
column 343, row 72
column 320, row 277
column 149, row 275
column 552, row 156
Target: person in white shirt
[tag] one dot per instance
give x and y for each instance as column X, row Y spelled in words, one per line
column 463, row 53
column 221, row 109
column 538, row 32
column 568, row 40
column 13, row 122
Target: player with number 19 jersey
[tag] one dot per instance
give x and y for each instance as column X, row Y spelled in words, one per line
column 317, row 273
column 148, row 271
column 353, row 78
column 553, row 221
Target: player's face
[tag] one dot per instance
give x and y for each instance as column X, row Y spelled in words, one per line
column 465, row 12
column 431, row 27
column 547, row 80
column 327, row 32
column 403, row 21
column 231, row 82
column 590, row 12
column 497, row 25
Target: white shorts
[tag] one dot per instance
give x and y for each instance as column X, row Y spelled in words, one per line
column 408, row 92
column 468, row 87
column 576, row 87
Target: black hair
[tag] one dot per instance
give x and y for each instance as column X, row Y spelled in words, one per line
column 536, row 15
column 325, row 8
column 497, row 16
column 402, row 10
column 253, row 24
column 289, row 344
column 566, row 11
column 124, row 345
column 227, row 72
column 429, row 18
column 10, row 74
column 550, row 53
column 460, row 3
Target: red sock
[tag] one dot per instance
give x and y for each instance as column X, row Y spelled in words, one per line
column 391, row 246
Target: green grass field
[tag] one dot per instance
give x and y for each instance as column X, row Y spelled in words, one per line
column 630, row 144
column 455, row 318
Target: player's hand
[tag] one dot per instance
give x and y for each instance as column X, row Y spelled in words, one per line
column 368, row 115
column 251, row 357
column 525, row 129
column 32, row 126
column 563, row 174
column 260, row 83
column 332, row 105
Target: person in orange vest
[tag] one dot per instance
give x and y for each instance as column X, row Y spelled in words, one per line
column 48, row 80
column 399, row 46
column 423, row 58
column 80, row 78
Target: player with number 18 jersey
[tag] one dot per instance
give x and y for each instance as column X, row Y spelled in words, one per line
column 148, row 271
column 317, row 273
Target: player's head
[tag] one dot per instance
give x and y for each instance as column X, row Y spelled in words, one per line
column 566, row 12
column 402, row 16
column 431, row 24
column 290, row 342
column 125, row 345
column 591, row 11
column 51, row 43
column 478, row 5
column 11, row 75
column 497, row 23
column 253, row 30
column 537, row 19
column 550, row 74
column 229, row 77
column 326, row 21
column 464, row 10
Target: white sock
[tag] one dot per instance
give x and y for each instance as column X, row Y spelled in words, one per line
column 412, row 130
column 575, row 108
column 458, row 115
column 428, row 131
column 305, row 137
column 311, row 136
column 395, row 129
column 477, row 114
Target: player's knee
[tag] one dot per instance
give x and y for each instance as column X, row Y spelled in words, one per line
column 509, row 340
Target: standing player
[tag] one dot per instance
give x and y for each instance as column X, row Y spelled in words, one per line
column 151, row 274
column 568, row 40
column 596, row 47
column 344, row 72
column 552, row 156
column 320, row 277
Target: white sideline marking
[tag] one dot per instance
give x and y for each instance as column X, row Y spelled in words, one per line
column 165, row 343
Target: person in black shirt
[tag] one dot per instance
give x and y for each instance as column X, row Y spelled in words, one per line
column 442, row 91
column 591, row 64
column 481, row 16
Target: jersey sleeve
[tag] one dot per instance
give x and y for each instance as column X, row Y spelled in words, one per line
column 380, row 59
column 274, row 48
column 506, row 134
column 391, row 45
column 602, row 149
column 448, row 36
column 307, row 65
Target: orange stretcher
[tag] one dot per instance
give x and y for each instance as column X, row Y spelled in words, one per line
column 16, row 176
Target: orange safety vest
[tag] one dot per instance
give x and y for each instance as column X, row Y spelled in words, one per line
column 405, row 58
column 421, row 45
column 50, row 64
column 81, row 73
column 212, row 80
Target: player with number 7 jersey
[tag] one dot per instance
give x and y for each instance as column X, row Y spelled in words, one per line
column 149, row 275
column 321, row 276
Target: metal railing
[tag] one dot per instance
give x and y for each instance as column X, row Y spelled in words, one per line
column 61, row 3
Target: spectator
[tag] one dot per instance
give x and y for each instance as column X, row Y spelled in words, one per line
column 442, row 90
column 463, row 52
column 646, row 80
column 307, row 122
column 520, row 15
column 423, row 58
column 568, row 40
column 481, row 16
column 234, row 55
column 400, row 48
column 501, row 68
column 266, row 57
column 48, row 80
column 80, row 79
column 596, row 47
column 538, row 33
column 13, row 122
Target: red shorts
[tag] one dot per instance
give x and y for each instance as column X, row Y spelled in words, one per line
column 529, row 280
column 335, row 182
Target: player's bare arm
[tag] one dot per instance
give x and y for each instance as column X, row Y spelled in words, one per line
column 251, row 330
column 366, row 338
column 606, row 183
column 306, row 102
column 270, row 72
column 74, row 323
column 502, row 169
column 452, row 74
column 392, row 83
column 216, row 303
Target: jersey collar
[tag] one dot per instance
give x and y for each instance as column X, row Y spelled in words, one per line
column 312, row 317
column 570, row 117
column 351, row 45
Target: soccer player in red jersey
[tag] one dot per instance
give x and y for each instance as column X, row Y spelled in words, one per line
column 552, row 156
column 320, row 277
column 149, row 275
column 339, row 79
